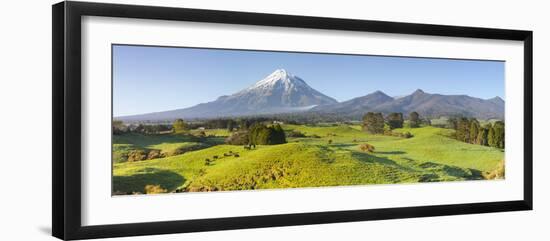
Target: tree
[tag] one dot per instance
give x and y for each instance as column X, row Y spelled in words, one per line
column 463, row 130
column 474, row 129
column 395, row 120
column 118, row 127
column 373, row 123
column 491, row 140
column 230, row 125
column 278, row 135
column 498, row 134
column 414, row 119
column 482, row 136
column 452, row 123
column 179, row 126
column 260, row 134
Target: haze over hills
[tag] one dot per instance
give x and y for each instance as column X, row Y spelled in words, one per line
column 282, row 92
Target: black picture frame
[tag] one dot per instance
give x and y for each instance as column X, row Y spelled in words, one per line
column 66, row 127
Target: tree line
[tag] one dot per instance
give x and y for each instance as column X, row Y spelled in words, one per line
column 469, row 130
column 258, row 134
column 375, row 123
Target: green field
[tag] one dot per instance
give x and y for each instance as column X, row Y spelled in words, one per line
column 429, row 156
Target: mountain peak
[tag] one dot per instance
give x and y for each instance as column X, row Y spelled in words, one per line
column 378, row 92
column 418, row 91
column 497, row 100
column 279, row 77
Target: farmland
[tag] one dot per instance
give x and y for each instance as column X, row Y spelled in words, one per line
column 325, row 155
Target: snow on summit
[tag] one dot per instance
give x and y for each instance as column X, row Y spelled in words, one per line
column 281, row 77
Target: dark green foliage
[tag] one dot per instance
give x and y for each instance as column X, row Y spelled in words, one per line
column 474, row 130
column 463, row 130
column 470, row 131
column 179, row 126
column 373, row 123
column 482, row 136
column 414, row 119
column 395, row 120
column 230, row 125
column 119, row 127
column 496, row 135
column 260, row 134
column 452, row 123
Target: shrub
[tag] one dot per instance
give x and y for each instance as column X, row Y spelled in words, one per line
column 153, row 154
column 136, row 155
column 329, row 142
column 366, row 147
column 153, row 189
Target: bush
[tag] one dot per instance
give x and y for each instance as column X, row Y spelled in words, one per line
column 367, row 147
column 153, row 154
column 329, row 142
column 136, row 155
column 154, row 189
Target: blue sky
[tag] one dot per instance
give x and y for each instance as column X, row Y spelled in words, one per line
column 149, row 79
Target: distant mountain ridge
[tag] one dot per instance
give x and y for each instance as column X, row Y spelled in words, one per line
column 282, row 92
column 432, row 105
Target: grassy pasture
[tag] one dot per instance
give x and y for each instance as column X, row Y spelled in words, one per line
column 430, row 155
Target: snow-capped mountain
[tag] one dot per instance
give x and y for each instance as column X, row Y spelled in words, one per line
column 279, row 92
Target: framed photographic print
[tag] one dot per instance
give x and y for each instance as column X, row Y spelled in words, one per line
column 170, row 120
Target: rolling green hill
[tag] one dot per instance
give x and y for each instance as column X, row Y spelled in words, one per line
column 430, row 155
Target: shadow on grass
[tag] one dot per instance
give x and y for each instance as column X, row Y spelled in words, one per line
column 365, row 157
column 390, row 152
column 148, row 176
column 342, row 145
column 454, row 171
